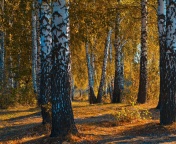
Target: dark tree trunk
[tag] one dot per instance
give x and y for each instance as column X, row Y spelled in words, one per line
column 168, row 100
column 142, row 93
column 45, row 60
column 2, row 53
column 162, row 42
column 46, row 115
column 62, row 114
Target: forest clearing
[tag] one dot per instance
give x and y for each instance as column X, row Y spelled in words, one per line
column 95, row 123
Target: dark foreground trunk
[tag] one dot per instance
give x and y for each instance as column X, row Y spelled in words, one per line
column 62, row 114
column 142, row 94
column 46, row 114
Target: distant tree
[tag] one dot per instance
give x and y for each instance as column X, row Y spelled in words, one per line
column 168, row 100
column 105, row 60
column 34, row 48
column 62, row 113
column 142, row 92
column 2, row 52
column 92, row 98
column 2, row 48
column 162, row 42
column 119, row 66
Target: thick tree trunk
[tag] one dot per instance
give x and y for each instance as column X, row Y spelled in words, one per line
column 34, row 49
column 142, row 92
column 92, row 98
column 162, row 41
column 62, row 114
column 103, row 74
column 168, row 101
column 46, row 45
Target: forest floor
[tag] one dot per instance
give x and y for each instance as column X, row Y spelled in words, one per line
column 99, row 124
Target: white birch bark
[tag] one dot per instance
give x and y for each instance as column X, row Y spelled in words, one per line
column 162, row 41
column 103, row 74
column 168, row 101
column 62, row 114
column 92, row 98
column 142, row 94
column 46, row 45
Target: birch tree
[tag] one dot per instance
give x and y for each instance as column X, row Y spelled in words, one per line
column 34, row 48
column 103, row 74
column 62, row 113
column 92, row 98
column 162, row 41
column 2, row 51
column 142, row 92
column 168, row 100
column 119, row 66
column 45, row 58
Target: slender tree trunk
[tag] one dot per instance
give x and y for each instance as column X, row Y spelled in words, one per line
column 92, row 98
column 142, row 92
column 119, row 66
column 2, row 52
column 38, row 67
column 119, row 72
column 168, row 101
column 62, row 113
column 162, row 41
column 34, row 49
column 103, row 74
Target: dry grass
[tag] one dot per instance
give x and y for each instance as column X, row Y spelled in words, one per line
column 95, row 123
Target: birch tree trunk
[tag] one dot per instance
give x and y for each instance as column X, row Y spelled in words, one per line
column 46, row 45
column 119, row 72
column 62, row 113
column 142, row 92
column 2, row 53
column 34, row 49
column 119, row 66
column 45, row 58
column 92, row 98
column 103, row 74
column 38, row 68
column 168, row 101
column 162, row 41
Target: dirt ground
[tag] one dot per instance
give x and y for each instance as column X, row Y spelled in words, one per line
column 96, row 125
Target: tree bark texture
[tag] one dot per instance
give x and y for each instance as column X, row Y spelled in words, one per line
column 168, row 101
column 103, row 74
column 45, row 57
column 119, row 72
column 142, row 92
column 162, row 41
column 62, row 114
column 38, row 67
column 119, row 66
